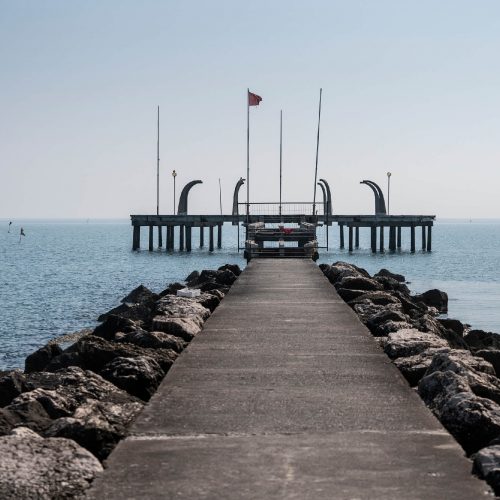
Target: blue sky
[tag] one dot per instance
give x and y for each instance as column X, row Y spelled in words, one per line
column 408, row 87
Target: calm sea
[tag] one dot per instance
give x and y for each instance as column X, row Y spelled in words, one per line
column 63, row 274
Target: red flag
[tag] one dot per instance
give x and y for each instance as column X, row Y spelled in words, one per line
column 253, row 99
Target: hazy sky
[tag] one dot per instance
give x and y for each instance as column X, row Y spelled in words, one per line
column 411, row 87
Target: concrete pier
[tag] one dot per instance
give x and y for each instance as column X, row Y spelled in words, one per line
column 286, row 395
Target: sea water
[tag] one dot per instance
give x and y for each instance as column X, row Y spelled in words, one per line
column 60, row 276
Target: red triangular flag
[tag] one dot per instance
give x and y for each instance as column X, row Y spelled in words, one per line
column 253, row 99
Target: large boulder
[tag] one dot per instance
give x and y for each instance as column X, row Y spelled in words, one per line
column 479, row 339
column 414, row 367
column 487, row 466
column 182, row 307
column 33, row 467
column 435, row 298
column 95, row 352
column 29, row 413
column 478, row 373
column 140, row 313
column 139, row 376
column 39, row 359
column 140, row 295
column 387, row 274
column 340, row 270
column 378, row 297
column 492, row 356
column 473, row 421
column 153, row 340
column 12, row 384
column 359, row 283
column 96, row 425
column 392, row 285
column 113, row 324
column 377, row 323
column 410, row 342
column 453, row 324
column 185, row 328
column 234, row 268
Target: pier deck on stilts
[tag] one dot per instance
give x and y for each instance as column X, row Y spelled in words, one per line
column 285, row 394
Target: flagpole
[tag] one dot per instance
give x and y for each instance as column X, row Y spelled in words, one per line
column 248, row 154
column 317, row 152
column 281, row 154
column 158, row 164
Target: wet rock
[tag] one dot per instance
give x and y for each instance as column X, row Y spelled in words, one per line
column 472, row 420
column 492, row 356
column 113, row 324
column 387, row 274
column 453, row 324
column 435, row 298
column 153, row 340
column 411, row 342
column 234, row 268
column 96, row 425
column 358, row 283
column 140, row 295
column 139, row 376
column 479, row 340
column 33, row 467
column 226, row 277
column 39, row 359
column 11, row 385
column 487, row 466
column 414, row 368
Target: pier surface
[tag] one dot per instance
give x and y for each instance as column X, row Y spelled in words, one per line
column 285, row 394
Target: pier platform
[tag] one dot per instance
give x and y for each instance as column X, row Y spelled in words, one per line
column 286, row 395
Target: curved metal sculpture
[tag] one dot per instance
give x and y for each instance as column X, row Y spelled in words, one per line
column 379, row 197
column 329, row 196
column 325, row 198
column 235, row 198
column 183, row 200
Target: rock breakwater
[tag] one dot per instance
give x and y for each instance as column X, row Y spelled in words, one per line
column 62, row 416
column 454, row 369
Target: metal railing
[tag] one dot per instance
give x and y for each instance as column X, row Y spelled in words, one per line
column 285, row 208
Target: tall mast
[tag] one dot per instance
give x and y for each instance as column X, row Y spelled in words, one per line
column 317, row 152
column 281, row 154
column 158, row 164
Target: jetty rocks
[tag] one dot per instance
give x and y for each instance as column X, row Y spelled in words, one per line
column 454, row 369
column 62, row 416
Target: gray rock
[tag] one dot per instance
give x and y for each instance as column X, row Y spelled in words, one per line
column 185, row 328
column 96, row 425
column 113, row 324
column 39, row 359
column 377, row 323
column 140, row 313
column 479, row 339
column 139, row 376
column 95, row 352
column 487, row 466
column 478, row 373
column 410, row 342
column 11, row 385
column 182, row 307
column 359, row 283
column 33, row 467
column 391, row 284
column 472, row 420
column 379, row 297
column 234, row 268
column 435, row 298
column 153, row 340
column 453, row 324
column 414, row 367
column 492, row 356
column 387, row 274
column 140, row 295
column 347, row 295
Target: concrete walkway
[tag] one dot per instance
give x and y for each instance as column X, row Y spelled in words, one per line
column 286, row 395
